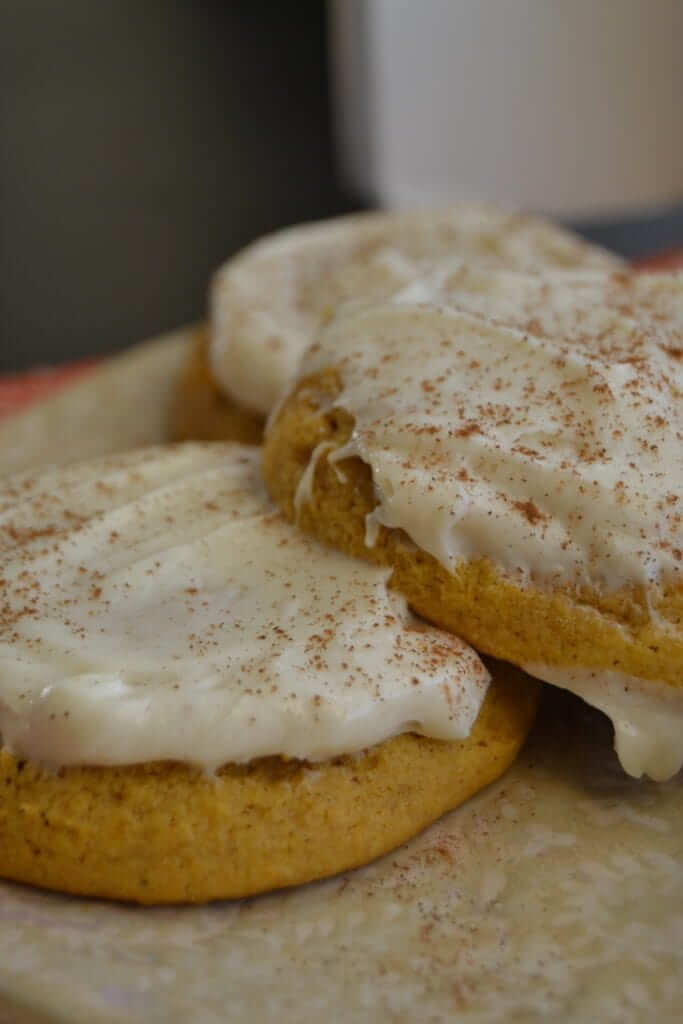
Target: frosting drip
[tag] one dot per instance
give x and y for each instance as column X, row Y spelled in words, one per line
column 648, row 725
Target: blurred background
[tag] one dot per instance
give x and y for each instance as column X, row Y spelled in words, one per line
column 143, row 143
column 140, row 144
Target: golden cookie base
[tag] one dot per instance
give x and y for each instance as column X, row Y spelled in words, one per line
column 201, row 412
column 167, row 833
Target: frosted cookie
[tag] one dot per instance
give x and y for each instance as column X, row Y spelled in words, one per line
column 512, row 445
column 199, row 702
column 201, row 410
column 267, row 302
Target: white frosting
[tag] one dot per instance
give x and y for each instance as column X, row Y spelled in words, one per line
column 537, row 421
column 156, row 606
column 647, row 719
column 532, row 419
column 267, row 302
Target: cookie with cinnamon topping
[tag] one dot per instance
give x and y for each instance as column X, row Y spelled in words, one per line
column 511, row 445
column 268, row 300
column 197, row 701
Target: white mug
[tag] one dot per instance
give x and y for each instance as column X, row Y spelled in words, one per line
column 570, row 107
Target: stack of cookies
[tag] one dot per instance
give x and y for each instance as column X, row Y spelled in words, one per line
column 227, row 669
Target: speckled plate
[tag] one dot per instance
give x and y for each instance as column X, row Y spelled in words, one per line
column 555, row 894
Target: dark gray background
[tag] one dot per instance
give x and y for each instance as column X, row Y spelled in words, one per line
column 142, row 142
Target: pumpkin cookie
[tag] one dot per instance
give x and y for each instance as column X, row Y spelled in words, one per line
column 199, row 702
column 201, row 411
column 267, row 302
column 510, row 445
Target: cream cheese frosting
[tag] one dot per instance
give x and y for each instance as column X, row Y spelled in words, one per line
column 533, row 420
column 156, row 606
column 267, row 302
